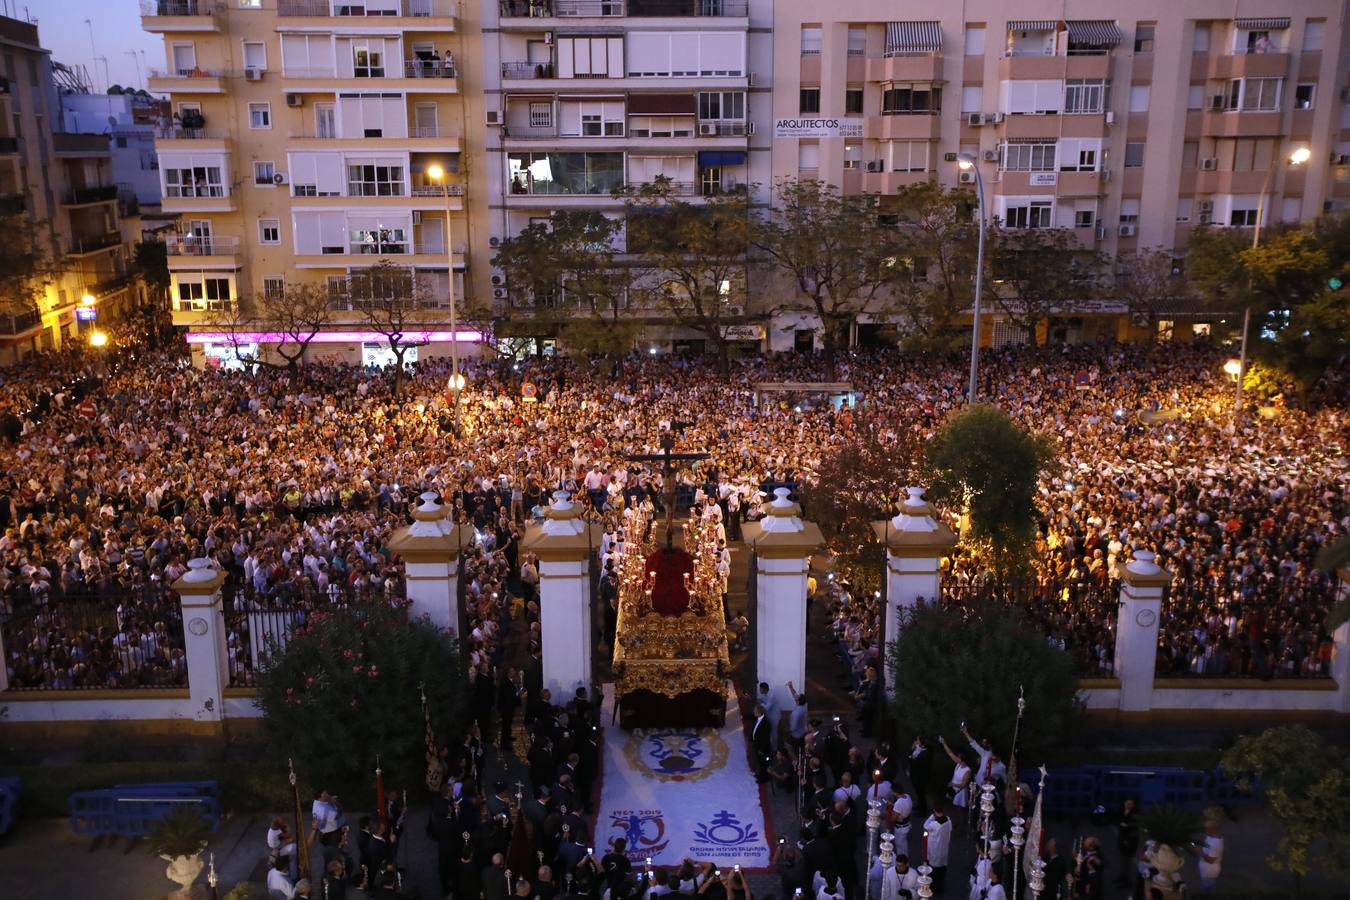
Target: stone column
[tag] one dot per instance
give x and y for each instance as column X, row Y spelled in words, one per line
column 915, row 543
column 430, row 548
column 1340, row 663
column 204, row 639
column 783, row 545
column 1141, row 591
column 564, row 543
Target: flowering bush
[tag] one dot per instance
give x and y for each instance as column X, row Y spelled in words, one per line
column 347, row 687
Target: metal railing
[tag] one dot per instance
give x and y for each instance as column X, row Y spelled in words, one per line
column 15, row 323
column 187, row 73
column 181, row 133
column 181, row 7
column 429, row 68
column 204, row 305
column 97, row 194
column 194, row 245
column 527, row 70
column 716, row 128
column 436, row 190
column 95, row 242
column 340, row 9
column 538, row 9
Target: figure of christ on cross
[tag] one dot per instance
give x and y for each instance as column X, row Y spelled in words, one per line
column 667, row 458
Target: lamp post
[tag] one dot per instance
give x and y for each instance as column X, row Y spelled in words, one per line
column 438, row 174
column 968, row 163
column 1297, row 158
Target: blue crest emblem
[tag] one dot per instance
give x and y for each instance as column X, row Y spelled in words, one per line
column 643, row 831
column 726, row 830
column 676, row 755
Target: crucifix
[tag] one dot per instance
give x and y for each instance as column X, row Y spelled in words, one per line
column 667, row 458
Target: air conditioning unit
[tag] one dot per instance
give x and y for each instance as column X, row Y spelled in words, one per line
column 295, row 99
column 417, row 217
column 735, row 310
column 966, row 177
column 280, row 178
column 1204, row 206
column 975, row 120
column 1127, row 231
column 996, row 118
column 949, row 157
column 1209, row 164
column 251, row 74
column 707, row 129
column 494, row 118
column 1217, row 102
column 494, row 241
column 1101, row 232
column 498, row 278
column 499, row 293
column 991, row 156
column 548, row 37
column 1205, row 218
column 1110, row 118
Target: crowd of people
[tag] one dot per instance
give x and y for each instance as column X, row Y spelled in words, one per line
column 292, row 481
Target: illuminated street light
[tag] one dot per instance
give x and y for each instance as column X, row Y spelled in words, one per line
column 88, row 299
column 438, row 174
column 967, row 162
column 1233, row 367
column 98, row 339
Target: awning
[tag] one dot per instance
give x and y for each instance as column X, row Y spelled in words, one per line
column 662, row 104
column 1268, row 23
column 913, row 37
column 721, row 157
column 1094, row 32
column 1032, row 25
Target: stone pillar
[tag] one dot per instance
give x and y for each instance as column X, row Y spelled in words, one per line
column 564, row 543
column 430, row 548
column 204, row 639
column 1141, row 591
column 783, row 545
column 1340, row 663
column 915, row 543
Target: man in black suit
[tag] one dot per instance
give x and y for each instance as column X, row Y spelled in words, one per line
column 919, row 765
column 761, row 744
column 494, row 879
column 1056, row 870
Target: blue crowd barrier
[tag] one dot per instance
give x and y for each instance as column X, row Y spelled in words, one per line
column 1070, row 792
column 131, row 810
column 1079, row 791
column 1231, row 791
column 9, row 803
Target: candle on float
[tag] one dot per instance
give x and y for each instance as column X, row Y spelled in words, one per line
column 876, row 777
column 925, row 846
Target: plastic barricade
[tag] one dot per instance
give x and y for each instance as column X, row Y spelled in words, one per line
column 9, row 803
column 91, row 812
column 1070, row 792
column 1230, row 791
column 131, row 810
column 1185, row 788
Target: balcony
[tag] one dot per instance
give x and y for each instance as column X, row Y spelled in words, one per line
column 109, row 285
column 924, row 67
column 187, row 81
column 1241, row 123
column 527, row 70
column 96, row 243
column 89, row 195
column 12, row 324
column 160, row 16
column 667, row 9
column 180, row 245
column 1248, row 65
column 903, row 126
column 412, row 75
column 383, row 9
column 877, row 181
column 436, row 190
column 207, row 198
column 424, row 137
column 81, row 146
column 429, row 68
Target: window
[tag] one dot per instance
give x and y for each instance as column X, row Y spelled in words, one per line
column 1028, row 157
column 273, row 287
column 193, row 181
column 910, row 156
column 1028, row 214
column 974, row 40
column 1242, row 218
column 1138, row 98
column 594, row 124
column 1023, row 96
column 1200, row 40
column 728, row 105
column 541, row 114
column 263, row 173
column 1079, row 154
column 1303, row 96
column 1084, row 218
column 972, row 98
column 367, row 61
column 808, row 155
column 1129, row 211
column 1143, row 38
column 269, row 231
column 857, row 42
column 1085, row 96
column 810, row 100
column 376, row 180
column 565, row 173
column 710, row 181
column 1260, row 42
column 184, row 59
column 1195, row 97
column 209, row 293
column 853, row 100
column 811, row 40
column 1314, row 35
column 255, row 55
column 378, row 240
column 908, row 99
column 1260, row 93
column 259, row 115
column 852, row 156
column 602, row 57
column 1134, row 155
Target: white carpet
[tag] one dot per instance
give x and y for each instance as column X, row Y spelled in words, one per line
column 675, row 793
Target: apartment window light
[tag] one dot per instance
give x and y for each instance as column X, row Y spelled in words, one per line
column 259, row 116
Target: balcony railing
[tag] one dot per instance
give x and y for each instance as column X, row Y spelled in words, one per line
column 110, row 284
column 98, row 194
column 181, row 133
column 538, row 9
column 193, row 245
column 527, row 70
column 181, row 7
column 194, row 72
column 95, row 242
column 670, row 188
column 436, row 190
column 716, row 128
column 337, row 8
column 14, row 323
column 429, row 68
column 203, row 305
column 329, row 134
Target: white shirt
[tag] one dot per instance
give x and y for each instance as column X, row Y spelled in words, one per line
column 277, row 881
column 326, row 815
column 1213, row 847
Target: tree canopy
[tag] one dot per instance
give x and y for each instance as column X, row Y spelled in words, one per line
column 25, row 265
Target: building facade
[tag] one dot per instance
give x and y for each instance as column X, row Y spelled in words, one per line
column 308, row 141
column 1128, row 125
column 59, row 185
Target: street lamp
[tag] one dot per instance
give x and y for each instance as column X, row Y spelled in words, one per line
column 438, row 174
column 1233, row 367
column 967, row 163
column 1297, row 158
column 88, row 299
column 98, row 339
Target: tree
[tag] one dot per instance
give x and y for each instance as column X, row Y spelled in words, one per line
column 391, row 304
column 1038, row 272
column 1150, row 285
column 692, row 258
column 1289, row 267
column 568, row 263
column 833, row 250
column 936, row 281
column 982, row 460
column 26, row 267
column 1305, row 783
column 969, row 663
column 347, row 687
column 298, row 314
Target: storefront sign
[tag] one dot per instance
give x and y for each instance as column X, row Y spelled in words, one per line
column 817, row 128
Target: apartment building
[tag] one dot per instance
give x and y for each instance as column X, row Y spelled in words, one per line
column 308, row 141
column 583, row 97
column 60, row 185
column 1128, row 124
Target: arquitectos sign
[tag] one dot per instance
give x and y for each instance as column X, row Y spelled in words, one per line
column 817, row 128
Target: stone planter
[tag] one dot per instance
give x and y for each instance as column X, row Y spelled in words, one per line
column 183, row 871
